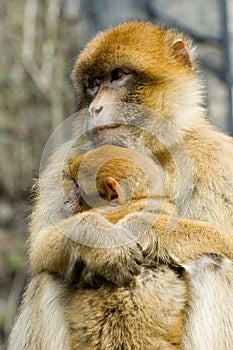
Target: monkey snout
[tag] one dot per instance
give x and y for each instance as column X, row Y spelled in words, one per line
column 95, row 111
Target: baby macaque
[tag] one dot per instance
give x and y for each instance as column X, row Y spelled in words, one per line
column 148, row 311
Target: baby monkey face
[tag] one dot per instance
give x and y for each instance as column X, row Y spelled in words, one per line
column 73, row 200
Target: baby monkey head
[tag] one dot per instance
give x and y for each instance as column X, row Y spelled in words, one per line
column 111, row 176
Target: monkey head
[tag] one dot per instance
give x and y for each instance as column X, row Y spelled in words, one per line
column 111, row 175
column 141, row 65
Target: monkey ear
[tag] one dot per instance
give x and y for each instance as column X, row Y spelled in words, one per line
column 181, row 52
column 113, row 190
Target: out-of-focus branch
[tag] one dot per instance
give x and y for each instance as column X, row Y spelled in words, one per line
column 29, row 42
column 54, row 8
column 29, row 29
column 43, row 75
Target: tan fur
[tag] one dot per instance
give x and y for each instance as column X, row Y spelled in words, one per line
column 40, row 322
column 212, row 277
column 136, row 316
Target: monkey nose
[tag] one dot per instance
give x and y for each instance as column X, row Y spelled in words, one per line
column 95, row 110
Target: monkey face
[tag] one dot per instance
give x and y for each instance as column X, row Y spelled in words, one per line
column 137, row 64
column 73, row 200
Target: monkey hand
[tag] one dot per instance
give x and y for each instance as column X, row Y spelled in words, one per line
column 150, row 231
column 109, row 250
column 117, row 265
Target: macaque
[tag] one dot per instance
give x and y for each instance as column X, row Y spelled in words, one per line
column 154, row 73
column 141, row 88
column 139, row 298
column 148, row 67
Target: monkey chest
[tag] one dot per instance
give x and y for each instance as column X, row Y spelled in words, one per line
column 146, row 314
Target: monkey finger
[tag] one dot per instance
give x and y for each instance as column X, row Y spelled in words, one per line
column 122, row 272
column 92, row 279
column 139, row 246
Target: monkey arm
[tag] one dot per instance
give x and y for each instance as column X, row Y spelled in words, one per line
column 40, row 321
column 87, row 238
column 190, row 239
column 180, row 239
column 49, row 250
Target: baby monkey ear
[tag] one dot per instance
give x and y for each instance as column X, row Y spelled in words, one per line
column 114, row 190
column 181, row 52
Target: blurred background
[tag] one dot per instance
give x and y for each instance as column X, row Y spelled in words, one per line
column 39, row 42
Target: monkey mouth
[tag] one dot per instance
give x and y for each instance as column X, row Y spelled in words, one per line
column 105, row 127
column 113, row 134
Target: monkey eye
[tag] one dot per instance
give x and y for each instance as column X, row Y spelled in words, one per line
column 92, row 86
column 118, row 74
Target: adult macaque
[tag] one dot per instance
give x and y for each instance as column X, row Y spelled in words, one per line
column 152, row 72
column 155, row 68
column 148, row 311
